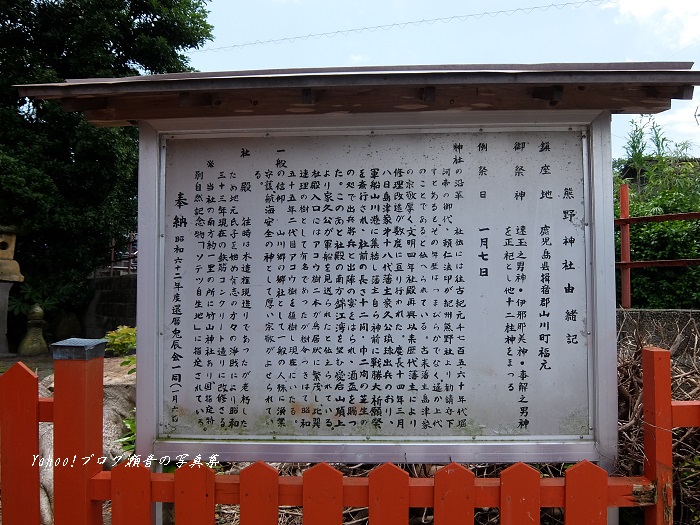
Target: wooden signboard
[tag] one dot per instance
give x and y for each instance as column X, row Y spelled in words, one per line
column 376, row 292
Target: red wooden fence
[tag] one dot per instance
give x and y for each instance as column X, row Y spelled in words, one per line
column 585, row 493
column 626, row 263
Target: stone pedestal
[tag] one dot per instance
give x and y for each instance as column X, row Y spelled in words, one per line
column 33, row 342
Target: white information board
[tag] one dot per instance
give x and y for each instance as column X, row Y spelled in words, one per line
column 382, row 288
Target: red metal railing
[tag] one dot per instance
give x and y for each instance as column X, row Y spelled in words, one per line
column 626, row 263
column 585, row 493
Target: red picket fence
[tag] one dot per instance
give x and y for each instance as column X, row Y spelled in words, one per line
column 585, row 493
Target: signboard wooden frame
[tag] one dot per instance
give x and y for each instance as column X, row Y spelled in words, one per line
column 155, row 230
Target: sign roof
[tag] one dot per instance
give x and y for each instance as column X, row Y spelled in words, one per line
column 634, row 88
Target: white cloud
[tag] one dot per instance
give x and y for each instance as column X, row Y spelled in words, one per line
column 359, row 59
column 680, row 125
column 676, row 22
column 673, row 25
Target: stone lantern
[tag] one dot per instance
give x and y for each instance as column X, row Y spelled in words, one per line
column 9, row 274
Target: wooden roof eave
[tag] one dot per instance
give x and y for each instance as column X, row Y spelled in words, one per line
column 617, row 99
column 209, row 82
column 362, row 90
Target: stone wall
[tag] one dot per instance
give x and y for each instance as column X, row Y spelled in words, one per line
column 113, row 303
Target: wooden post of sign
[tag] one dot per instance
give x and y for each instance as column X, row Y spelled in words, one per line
column 78, row 369
column 658, row 433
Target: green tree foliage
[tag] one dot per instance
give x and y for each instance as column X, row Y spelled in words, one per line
column 70, row 187
column 662, row 179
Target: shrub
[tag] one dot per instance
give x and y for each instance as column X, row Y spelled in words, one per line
column 661, row 180
column 122, row 341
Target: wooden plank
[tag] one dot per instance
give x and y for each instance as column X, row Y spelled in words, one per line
column 636, row 491
column 658, row 432
column 586, row 495
column 622, row 492
column 227, row 489
column 661, row 263
column 291, row 490
column 274, row 100
column 686, row 413
column 46, row 409
column 520, row 495
column 689, row 216
column 131, row 495
column 421, row 492
column 552, row 492
column 355, row 492
column 194, row 494
column 19, row 449
column 323, row 496
column 388, row 495
column 259, row 495
column 101, row 485
column 454, row 495
column 162, row 486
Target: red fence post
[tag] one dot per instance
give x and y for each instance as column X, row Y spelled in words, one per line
column 388, row 495
column 625, row 253
column 78, row 370
column 586, row 493
column 323, row 496
column 194, row 494
column 520, row 495
column 259, row 495
column 454, row 495
column 19, row 420
column 658, row 432
column 131, row 495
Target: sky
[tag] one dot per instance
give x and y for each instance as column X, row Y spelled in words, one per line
column 283, row 34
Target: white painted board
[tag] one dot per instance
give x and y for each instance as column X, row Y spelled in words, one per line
column 375, row 287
